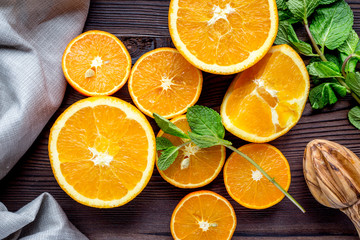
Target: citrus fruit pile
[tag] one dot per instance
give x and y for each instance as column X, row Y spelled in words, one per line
column 103, row 149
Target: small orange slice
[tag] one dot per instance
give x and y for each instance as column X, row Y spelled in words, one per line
column 102, row 151
column 194, row 167
column 96, row 63
column 223, row 37
column 247, row 185
column 203, row 215
column 265, row 101
column 162, row 81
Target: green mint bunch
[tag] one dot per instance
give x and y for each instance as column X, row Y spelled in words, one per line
column 334, row 48
column 207, row 130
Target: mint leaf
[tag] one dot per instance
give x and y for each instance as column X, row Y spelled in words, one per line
column 163, row 143
column 167, row 158
column 205, row 141
column 303, row 48
column 325, row 2
column 287, row 35
column 330, row 58
column 286, row 15
column 282, row 34
column 324, row 94
column 304, row 8
column 334, row 59
column 168, row 127
column 205, row 121
column 318, row 81
column 354, row 116
column 324, row 69
column 353, row 81
column 351, row 64
column 350, row 44
column 332, row 25
column 281, row 4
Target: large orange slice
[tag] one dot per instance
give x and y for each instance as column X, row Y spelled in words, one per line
column 247, row 185
column 96, row 63
column 267, row 100
column 223, row 37
column 194, row 167
column 203, row 215
column 162, row 81
column 102, row 151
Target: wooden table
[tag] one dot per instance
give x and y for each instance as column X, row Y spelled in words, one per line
column 142, row 26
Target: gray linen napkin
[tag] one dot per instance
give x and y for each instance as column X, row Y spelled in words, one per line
column 41, row 219
column 33, row 37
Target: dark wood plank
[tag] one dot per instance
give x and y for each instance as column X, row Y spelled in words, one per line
column 142, row 26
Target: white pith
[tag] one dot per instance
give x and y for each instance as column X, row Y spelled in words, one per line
column 190, row 150
column 220, row 13
column 100, row 158
column 256, row 175
column 166, row 83
column 96, row 62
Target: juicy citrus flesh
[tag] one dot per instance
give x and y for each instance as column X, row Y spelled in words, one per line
column 101, row 53
column 203, row 215
column 246, row 185
column 267, row 100
column 102, row 151
column 204, row 166
column 164, row 82
column 223, row 37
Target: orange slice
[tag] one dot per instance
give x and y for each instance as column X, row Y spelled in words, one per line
column 246, row 185
column 265, row 101
column 203, row 215
column 162, row 81
column 223, row 37
column 194, row 167
column 102, row 151
column 96, row 63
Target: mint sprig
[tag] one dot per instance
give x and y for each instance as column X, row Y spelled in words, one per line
column 207, row 130
column 328, row 24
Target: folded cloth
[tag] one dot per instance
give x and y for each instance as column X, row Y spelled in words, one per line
column 40, row 219
column 33, row 37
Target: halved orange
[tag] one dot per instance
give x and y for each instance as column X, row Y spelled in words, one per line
column 246, row 185
column 223, row 37
column 203, row 215
column 194, row 167
column 265, row 101
column 162, row 81
column 102, row 151
column 96, row 63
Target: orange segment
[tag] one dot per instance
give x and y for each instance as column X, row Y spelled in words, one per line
column 203, row 215
column 246, row 185
column 204, row 166
column 162, row 81
column 96, row 63
column 102, row 151
column 267, row 100
column 223, row 37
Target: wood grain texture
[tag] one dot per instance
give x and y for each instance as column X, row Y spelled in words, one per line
column 142, row 26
